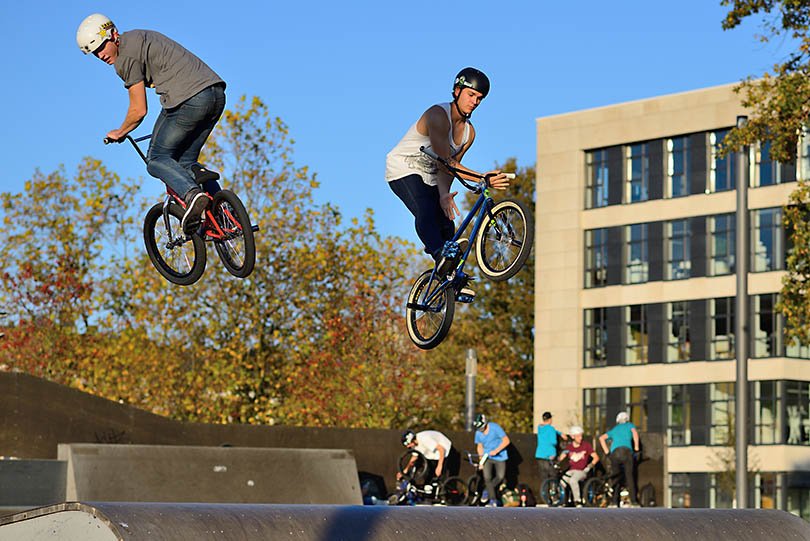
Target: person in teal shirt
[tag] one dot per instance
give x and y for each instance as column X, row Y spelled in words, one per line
column 623, row 443
column 546, row 446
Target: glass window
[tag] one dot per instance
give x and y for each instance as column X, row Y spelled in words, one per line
column 721, row 396
column 796, row 350
column 596, row 191
column 595, row 411
column 636, row 254
column 798, row 502
column 804, row 155
column 767, row 413
column 679, row 264
column 638, row 172
column 767, row 246
column 768, row 490
column 596, row 337
column 723, row 170
column 767, row 171
column 766, row 326
column 722, row 230
column 721, row 491
column 678, row 415
column 722, row 327
column 677, row 167
column 678, row 344
column 797, row 408
column 635, row 403
column 596, row 255
column 636, row 334
column 679, row 487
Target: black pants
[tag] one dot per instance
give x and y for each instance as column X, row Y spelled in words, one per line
column 494, row 474
column 546, row 471
column 621, row 460
column 432, row 226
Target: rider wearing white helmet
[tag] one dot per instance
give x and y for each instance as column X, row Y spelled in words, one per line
column 621, row 437
column 581, row 458
column 192, row 96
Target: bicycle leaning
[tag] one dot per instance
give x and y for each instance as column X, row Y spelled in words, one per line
column 180, row 257
column 502, row 233
column 412, row 489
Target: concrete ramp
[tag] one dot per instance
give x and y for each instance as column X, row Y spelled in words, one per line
column 227, row 522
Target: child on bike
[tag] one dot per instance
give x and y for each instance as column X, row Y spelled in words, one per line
column 192, row 98
column 581, row 459
column 421, row 183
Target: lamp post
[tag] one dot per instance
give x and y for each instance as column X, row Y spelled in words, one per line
column 469, row 391
column 741, row 327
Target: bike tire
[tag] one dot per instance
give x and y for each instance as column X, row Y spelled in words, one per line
column 505, row 241
column 475, row 489
column 427, row 329
column 454, row 491
column 238, row 250
column 552, row 493
column 594, row 494
column 418, row 468
column 183, row 264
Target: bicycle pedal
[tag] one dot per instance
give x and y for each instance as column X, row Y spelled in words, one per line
column 467, row 299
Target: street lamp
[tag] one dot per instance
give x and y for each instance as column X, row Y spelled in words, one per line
column 741, row 326
column 469, row 391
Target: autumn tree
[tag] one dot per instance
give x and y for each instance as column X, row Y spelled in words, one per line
column 779, row 105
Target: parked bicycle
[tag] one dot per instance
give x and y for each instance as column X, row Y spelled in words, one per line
column 413, row 489
column 502, row 233
column 181, row 257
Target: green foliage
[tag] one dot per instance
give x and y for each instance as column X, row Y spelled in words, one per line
column 780, row 106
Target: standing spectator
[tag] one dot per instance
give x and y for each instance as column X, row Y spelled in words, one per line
column 492, row 442
column 622, row 437
column 433, row 445
column 546, row 446
column 580, row 454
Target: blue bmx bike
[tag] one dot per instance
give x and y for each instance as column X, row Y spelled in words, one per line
column 502, row 233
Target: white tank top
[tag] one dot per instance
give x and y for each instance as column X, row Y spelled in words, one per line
column 406, row 158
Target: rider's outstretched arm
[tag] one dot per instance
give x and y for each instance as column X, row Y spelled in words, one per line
column 135, row 113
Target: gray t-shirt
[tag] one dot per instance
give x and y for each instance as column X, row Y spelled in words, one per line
column 174, row 72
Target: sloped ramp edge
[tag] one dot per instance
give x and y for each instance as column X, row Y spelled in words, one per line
column 114, row 521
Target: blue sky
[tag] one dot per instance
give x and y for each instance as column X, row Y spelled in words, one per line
column 350, row 77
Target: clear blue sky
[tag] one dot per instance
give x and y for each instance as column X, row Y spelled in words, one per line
column 350, row 77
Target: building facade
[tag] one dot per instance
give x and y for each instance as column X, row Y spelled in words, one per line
column 635, row 293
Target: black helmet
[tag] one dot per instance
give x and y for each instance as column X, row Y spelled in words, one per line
column 408, row 437
column 472, row 78
column 480, row 421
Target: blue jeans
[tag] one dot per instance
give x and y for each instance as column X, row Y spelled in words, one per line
column 179, row 135
column 432, row 226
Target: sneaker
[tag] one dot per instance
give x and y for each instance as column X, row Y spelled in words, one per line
column 445, row 265
column 465, row 294
column 203, row 175
column 196, row 203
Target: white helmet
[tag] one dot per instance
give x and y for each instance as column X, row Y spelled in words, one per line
column 94, row 31
column 622, row 417
column 574, row 430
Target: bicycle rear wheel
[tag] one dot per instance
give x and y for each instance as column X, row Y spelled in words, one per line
column 552, row 493
column 504, row 243
column 428, row 326
column 415, row 471
column 178, row 258
column 233, row 234
column 594, row 493
column 454, row 491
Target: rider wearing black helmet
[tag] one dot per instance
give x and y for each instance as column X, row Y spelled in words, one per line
column 422, row 184
column 433, row 445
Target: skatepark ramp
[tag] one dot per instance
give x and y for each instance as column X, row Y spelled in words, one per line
column 225, row 522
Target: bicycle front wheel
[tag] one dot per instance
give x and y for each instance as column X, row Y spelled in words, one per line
column 455, row 491
column 552, row 493
column 413, row 465
column 594, row 493
column 475, row 490
column 232, row 234
column 178, row 258
column 429, row 325
column 505, row 241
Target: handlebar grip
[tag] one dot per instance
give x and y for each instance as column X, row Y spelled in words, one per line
column 429, row 152
column 510, row 176
column 107, row 141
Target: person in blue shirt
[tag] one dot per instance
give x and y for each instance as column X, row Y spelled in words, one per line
column 623, row 443
column 491, row 441
column 546, row 446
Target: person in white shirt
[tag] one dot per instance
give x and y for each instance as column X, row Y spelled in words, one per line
column 433, row 445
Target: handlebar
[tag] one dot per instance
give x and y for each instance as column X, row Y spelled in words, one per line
column 108, row 140
column 457, row 172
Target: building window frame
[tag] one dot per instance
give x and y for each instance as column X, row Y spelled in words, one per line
column 596, row 337
column 594, row 411
column 636, row 254
column 767, row 419
column 597, row 175
column 766, row 225
column 767, row 328
column 677, row 184
column 596, row 257
column 721, row 408
column 637, row 173
column 678, row 246
column 722, row 172
column 722, row 318
column 679, row 416
column 636, row 334
column 722, row 231
column 679, row 346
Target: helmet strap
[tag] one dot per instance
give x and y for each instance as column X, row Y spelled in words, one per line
column 455, row 102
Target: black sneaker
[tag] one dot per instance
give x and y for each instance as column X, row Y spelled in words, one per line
column 203, row 175
column 196, row 203
column 465, row 294
column 447, row 264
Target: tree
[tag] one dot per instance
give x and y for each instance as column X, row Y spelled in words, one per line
column 780, row 106
column 499, row 325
